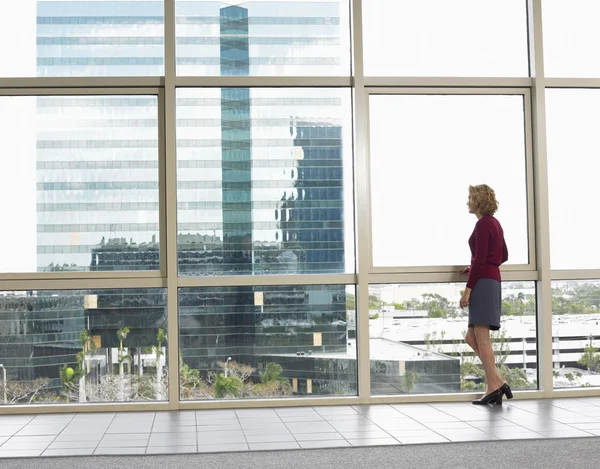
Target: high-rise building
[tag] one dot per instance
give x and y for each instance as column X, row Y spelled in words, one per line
column 263, row 212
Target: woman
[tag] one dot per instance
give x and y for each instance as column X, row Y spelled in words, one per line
column 483, row 294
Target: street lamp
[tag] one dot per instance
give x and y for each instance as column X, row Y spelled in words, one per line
column 4, row 381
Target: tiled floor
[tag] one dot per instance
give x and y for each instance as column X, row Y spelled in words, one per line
column 294, row 428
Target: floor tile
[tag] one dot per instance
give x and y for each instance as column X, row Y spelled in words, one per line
column 273, row 446
column 315, row 427
column 172, row 439
column 3, row 439
column 422, row 440
column 73, row 444
column 159, row 429
column 586, row 426
column 128, row 430
column 374, row 442
column 123, row 443
column 32, row 453
column 255, row 413
column 69, row 452
column 128, row 436
column 33, row 445
column 324, row 444
column 317, row 436
column 171, row 449
column 449, row 426
column 308, row 418
column 215, row 414
column 266, row 431
column 269, row 438
column 52, row 419
column 468, row 436
column 224, row 439
column 35, row 430
column 82, row 437
column 565, row 434
column 86, row 430
column 120, row 451
column 222, row 448
column 365, row 435
column 218, row 428
column 9, row 430
column 15, row 420
column 257, row 425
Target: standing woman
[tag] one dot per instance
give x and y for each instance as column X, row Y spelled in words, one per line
column 483, row 294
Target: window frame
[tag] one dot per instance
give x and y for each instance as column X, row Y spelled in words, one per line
column 529, row 173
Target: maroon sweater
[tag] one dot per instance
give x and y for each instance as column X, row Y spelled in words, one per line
column 488, row 250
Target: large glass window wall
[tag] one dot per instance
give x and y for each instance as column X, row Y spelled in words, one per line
column 264, row 202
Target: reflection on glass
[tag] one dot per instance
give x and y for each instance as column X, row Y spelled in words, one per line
column 82, row 195
column 58, row 38
column 441, row 38
column 425, row 151
column 61, row 346
column 572, row 121
column 417, row 339
column 576, row 333
column 267, row 342
column 264, row 181
column 280, row 37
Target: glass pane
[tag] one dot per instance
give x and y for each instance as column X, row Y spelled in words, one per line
column 267, row 342
column 59, row 38
column 425, row 152
column 268, row 38
column 417, row 339
column 264, row 181
column 570, row 38
column 576, row 333
column 446, row 38
column 85, row 346
column 573, row 166
column 84, row 188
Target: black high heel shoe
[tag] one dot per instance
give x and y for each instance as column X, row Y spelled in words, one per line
column 507, row 391
column 494, row 397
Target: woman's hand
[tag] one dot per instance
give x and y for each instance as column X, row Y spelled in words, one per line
column 464, row 271
column 465, row 299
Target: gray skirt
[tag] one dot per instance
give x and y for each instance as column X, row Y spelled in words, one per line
column 485, row 304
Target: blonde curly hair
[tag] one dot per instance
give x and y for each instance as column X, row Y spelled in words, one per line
column 484, row 198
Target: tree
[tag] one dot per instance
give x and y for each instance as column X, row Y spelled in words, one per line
column 350, row 302
column 409, row 380
column 122, row 335
column 590, row 359
column 437, row 306
column 375, row 302
column 23, row 391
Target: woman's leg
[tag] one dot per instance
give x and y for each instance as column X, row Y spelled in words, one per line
column 471, row 341
column 486, row 355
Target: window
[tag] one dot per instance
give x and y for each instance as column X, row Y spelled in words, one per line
column 425, row 151
column 442, row 38
column 76, row 198
column 576, row 333
column 572, row 124
column 60, row 346
column 60, row 38
column 267, row 342
column 570, row 33
column 264, row 181
column 282, row 37
column 417, row 339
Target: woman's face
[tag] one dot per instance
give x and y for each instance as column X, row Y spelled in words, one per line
column 471, row 204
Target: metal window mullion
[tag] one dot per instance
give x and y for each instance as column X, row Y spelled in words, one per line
column 362, row 206
column 170, row 212
column 519, row 276
column 74, row 83
column 266, row 280
column 54, row 91
column 580, row 274
column 81, row 284
column 448, row 82
column 263, row 82
column 572, row 82
column 542, row 212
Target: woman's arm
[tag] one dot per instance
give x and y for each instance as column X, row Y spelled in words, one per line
column 504, row 252
column 482, row 241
